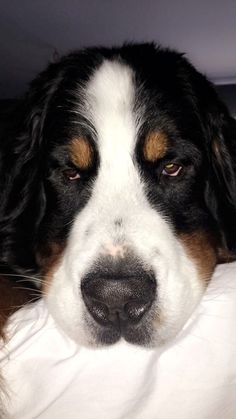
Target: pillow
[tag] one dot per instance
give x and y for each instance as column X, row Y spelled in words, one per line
column 49, row 376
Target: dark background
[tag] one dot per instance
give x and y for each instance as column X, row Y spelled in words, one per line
column 35, row 32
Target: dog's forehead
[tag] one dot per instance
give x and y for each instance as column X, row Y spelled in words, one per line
column 120, row 106
column 114, row 105
column 110, row 98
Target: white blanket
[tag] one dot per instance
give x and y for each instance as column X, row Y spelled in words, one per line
column 50, row 377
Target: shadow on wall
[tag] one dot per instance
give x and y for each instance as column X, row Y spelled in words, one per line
column 228, row 94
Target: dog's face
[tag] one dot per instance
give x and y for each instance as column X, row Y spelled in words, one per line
column 123, row 175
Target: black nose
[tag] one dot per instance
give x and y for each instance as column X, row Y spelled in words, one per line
column 118, row 300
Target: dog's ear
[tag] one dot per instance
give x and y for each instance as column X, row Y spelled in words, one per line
column 22, row 150
column 220, row 133
column 219, row 147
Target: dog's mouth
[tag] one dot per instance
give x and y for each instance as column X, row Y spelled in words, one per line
column 112, row 332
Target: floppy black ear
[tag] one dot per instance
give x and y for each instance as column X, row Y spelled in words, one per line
column 220, row 129
column 219, row 146
column 22, row 198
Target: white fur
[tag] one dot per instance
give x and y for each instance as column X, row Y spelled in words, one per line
column 118, row 193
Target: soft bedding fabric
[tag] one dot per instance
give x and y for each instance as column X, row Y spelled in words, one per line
column 50, row 377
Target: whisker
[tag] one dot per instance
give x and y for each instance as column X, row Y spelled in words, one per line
column 33, row 278
column 21, row 275
column 23, row 288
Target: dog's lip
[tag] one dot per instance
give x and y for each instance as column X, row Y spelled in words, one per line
column 109, row 335
column 133, row 334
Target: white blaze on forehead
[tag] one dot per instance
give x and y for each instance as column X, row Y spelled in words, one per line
column 110, row 95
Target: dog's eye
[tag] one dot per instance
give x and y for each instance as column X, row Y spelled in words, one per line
column 71, row 174
column 171, row 169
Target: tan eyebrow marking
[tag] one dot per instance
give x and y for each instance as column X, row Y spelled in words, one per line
column 155, row 146
column 81, row 153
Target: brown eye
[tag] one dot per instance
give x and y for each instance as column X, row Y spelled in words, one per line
column 71, row 174
column 171, row 169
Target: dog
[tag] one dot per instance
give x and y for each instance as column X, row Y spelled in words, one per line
column 118, row 193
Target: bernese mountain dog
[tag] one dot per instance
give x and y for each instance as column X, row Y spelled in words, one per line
column 118, row 193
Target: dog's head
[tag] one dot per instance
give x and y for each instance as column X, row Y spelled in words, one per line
column 119, row 192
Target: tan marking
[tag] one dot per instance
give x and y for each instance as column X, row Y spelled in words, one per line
column 48, row 259
column 201, row 247
column 225, row 255
column 155, row 146
column 81, row 153
column 13, row 295
column 216, row 149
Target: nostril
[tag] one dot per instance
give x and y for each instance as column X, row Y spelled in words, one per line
column 136, row 309
column 99, row 311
